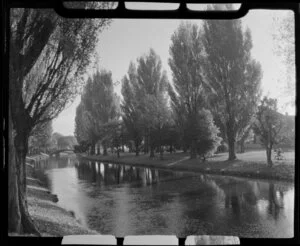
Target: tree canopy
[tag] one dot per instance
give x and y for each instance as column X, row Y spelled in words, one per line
column 268, row 125
column 98, row 111
column 233, row 75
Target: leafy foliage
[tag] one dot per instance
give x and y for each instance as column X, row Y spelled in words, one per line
column 284, row 48
column 41, row 138
column 151, row 92
column 98, row 111
column 208, row 139
column 66, row 142
column 130, row 107
column 233, row 75
column 188, row 97
column 84, row 131
column 268, row 122
column 51, row 68
column 268, row 125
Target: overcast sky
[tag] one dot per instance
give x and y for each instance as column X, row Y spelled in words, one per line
column 126, row 40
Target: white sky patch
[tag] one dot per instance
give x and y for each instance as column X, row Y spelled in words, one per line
column 126, row 40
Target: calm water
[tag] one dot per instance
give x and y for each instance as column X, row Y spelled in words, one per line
column 124, row 200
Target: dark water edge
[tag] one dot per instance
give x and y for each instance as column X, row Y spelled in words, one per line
column 126, row 200
column 281, row 174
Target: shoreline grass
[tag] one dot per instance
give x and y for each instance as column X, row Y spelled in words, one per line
column 51, row 219
column 245, row 166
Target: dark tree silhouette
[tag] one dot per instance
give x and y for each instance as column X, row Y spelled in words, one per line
column 48, row 57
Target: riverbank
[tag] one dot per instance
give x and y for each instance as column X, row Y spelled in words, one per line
column 50, row 219
column 249, row 164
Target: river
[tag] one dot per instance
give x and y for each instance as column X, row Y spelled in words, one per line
column 125, row 200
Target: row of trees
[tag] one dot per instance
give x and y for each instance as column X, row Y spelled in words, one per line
column 214, row 93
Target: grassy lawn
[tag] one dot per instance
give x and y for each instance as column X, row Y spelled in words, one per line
column 249, row 164
column 258, row 156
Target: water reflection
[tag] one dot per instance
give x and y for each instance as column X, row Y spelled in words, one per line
column 112, row 174
column 122, row 200
column 276, row 201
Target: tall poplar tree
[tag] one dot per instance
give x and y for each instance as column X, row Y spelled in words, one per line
column 188, row 97
column 233, row 75
column 152, row 90
column 102, row 104
column 130, row 107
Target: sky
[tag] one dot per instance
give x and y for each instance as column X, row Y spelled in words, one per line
column 126, row 40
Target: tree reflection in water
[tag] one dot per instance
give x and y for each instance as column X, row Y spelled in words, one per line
column 110, row 174
column 155, row 201
column 238, row 192
column 276, row 200
column 241, row 192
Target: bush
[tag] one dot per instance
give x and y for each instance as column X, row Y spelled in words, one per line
column 208, row 140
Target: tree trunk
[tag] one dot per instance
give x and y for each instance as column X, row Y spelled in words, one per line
column 20, row 143
column 136, row 148
column 104, row 149
column 171, row 149
column 161, row 152
column 152, row 151
column 146, row 144
column 93, row 149
column 130, row 148
column 19, row 220
column 98, row 149
column 242, row 146
column 269, row 147
column 193, row 154
column 118, row 152
column 269, row 156
column 14, row 215
column 231, row 148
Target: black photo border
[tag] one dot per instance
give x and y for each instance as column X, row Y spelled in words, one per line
column 122, row 13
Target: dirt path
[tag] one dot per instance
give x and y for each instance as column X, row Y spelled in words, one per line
column 176, row 162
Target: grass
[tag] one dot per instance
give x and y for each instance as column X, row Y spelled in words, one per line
column 249, row 164
column 49, row 217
